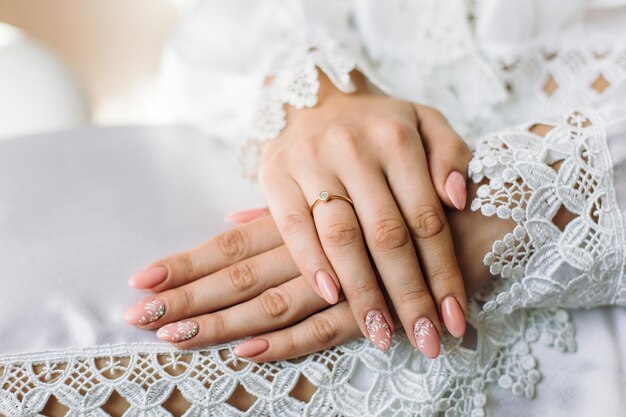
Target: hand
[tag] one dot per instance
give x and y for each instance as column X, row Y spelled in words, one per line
column 375, row 150
column 247, row 272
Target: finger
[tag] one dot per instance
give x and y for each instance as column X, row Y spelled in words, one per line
column 342, row 240
column 393, row 253
column 224, row 249
column 447, row 155
column 291, row 212
column 323, row 330
column 245, row 216
column 229, row 286
column 428, row 226
column 275, row 308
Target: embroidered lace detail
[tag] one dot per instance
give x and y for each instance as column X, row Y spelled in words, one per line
column 404, row 382
column 294, row 82
column 541, row 265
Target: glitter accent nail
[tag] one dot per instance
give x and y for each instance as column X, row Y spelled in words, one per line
column 378, row 330
column 178, row 332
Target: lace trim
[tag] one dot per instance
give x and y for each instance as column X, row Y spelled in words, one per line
column 580, row 266
column 294, row 82
column 403, row 382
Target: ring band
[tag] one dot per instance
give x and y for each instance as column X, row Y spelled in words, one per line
column 325, row 197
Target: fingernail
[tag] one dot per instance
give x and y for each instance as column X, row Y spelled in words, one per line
column 426, row 337
column 148, row 278
column 145, row 312
column 178, row 332
column 251, row 348
column 327, row 287
column 453, row 316
column 245, row 216
column 378, row 330
column 456, row 189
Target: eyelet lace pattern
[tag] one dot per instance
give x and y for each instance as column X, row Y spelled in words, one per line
column 405, row 383
column 540, row 265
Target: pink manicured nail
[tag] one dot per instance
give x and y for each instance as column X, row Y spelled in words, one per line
column 456, row 189
column 148, row 278
column 178, row 332
column 327, row 287
column 453, row 316
column 251, row 348
column 246, row 216
column 378, row 330
column 145, row 312
column 426, row 337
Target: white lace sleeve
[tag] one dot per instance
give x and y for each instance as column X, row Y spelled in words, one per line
column 294, row 75
column 528, row 179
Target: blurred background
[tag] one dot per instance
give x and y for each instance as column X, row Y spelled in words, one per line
column 66, row 63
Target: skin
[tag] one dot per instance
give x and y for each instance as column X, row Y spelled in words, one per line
column 261, row 280
column 248, row 272
column 393, row 159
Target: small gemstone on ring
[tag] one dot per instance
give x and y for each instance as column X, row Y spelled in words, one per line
column 324, row 195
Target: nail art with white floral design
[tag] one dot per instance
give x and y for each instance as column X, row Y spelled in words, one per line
column 178, row 332
column 378, row 330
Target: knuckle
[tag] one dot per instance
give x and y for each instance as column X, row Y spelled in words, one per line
column 274, row 303
column 390, row 234
column 342, row 232
column 242, row 276
column 361, row 288
column 293, row 222
column 233, row 244
column 445, row 273
column 217, row 326
column 291, row 347
column 394, row 132
column 323, row 331
column 184, row 264
column 412, row 293
column 427, row 222
column 188, row 299
column 458, row 147
column 346, row 138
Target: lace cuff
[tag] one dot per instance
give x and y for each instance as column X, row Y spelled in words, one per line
column 541, row 265
column 295, row 82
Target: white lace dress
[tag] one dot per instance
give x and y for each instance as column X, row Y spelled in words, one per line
column 495, row 68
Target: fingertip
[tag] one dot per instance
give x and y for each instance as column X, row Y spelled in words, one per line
column 148, row 278
column 326, row 287
column 456, row 189
column 453, row 316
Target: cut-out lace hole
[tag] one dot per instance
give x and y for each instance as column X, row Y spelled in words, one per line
column 116, row 405
column 303, row 390
column 112, row 367
column 232, row 361
column 50, row 372
column 540, row 129
column 562, row 217
column 362, row 378
column 174, row 364
column 54, row 408
column 176, row 403
column 470, row 339
column 241, row 399
column 550, row 86
column 600, row 83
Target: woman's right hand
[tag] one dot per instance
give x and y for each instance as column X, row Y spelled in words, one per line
column 397, row 161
